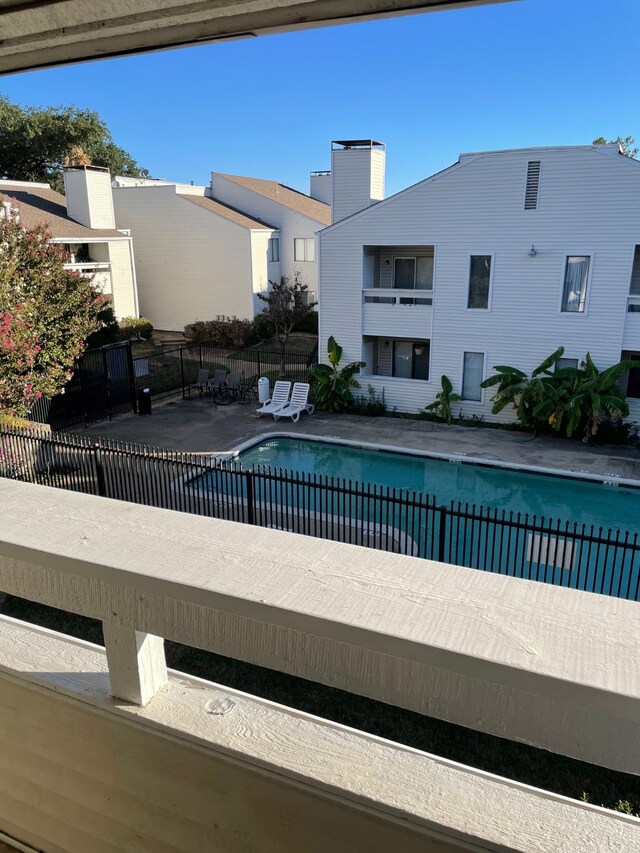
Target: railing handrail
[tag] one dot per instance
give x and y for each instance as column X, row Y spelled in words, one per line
column 303, row 607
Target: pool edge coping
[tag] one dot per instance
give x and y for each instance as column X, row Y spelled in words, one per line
column 453, row 457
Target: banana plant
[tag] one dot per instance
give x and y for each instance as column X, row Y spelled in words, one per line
column 333, row 384
column 522, row 392
column 441, row 406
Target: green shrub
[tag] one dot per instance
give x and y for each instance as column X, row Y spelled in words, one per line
column 135, row 327
column 221, row 333
column 307, row 324
column 263, row 327
column 372, row 405
column 109, row 331
column 441, row 407
column 332, row 391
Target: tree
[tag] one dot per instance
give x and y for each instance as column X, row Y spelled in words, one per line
column 625, row 142
column 36, row 143
column 287, row 303
column 46, row 314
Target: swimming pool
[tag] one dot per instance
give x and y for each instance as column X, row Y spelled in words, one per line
column 557, row 529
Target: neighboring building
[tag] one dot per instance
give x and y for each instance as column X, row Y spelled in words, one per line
column 204, row 253
column 298, row 218
column 196, row 259
column 498, row 259
column 84, row 222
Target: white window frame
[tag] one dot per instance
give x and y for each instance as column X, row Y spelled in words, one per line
column 465, row 400
column 306, row 241
column 475, row 254
column 415, row 271
column 270, row 244
column 587, row 296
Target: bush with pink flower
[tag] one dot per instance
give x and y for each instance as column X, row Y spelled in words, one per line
column 46, row 314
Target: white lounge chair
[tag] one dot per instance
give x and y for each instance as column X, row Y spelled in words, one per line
column 279, row 399
column 298, row 403
column 201, row 382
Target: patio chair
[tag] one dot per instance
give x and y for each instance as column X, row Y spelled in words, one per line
column 234, row 380
column 202, row 381
column 249, row 387
column 219, row 379
column 298, row 403
column 279, row 399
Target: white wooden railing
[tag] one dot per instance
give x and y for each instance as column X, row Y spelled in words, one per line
column 395, row 296
column 527, row 661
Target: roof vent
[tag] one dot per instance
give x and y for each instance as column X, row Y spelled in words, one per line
column 533, row 185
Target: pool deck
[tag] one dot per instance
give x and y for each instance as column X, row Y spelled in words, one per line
column 197, row 425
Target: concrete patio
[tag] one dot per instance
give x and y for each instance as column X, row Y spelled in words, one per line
column 198, row 425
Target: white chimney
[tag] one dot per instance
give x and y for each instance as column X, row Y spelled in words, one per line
column 357, row 169
column 89, row 197
column 321, row 187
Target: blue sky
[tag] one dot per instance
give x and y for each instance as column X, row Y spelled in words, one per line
column 534, row 72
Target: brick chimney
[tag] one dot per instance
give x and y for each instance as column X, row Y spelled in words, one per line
column 357, row 169
column 89, row 198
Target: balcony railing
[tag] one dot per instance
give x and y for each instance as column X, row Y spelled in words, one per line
column 389, row 296
column 527, row 662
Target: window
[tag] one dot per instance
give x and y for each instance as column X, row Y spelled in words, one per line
column 304, row 249
column 413, row 273
column 630, row 382
column 411, row 359
column 634, row 287
column 273, row 250
column 576, row 277
column 479, row 281
column 533, row 185
column 472, row 372
column 561, row 363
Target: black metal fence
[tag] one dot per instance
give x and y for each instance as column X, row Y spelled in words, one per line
column 106, row 381
column 171, row 371
column 562, row 553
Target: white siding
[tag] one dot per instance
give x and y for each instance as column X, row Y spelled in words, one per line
column 123, row 282
column 191, row 264
column 321, row 187
column 589, row 204
column 89, row 199
column 261, row 271
column 290, row 224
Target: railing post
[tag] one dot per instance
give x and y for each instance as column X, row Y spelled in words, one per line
column 259, row 370
column 182, row 372
column 442, row 533
column 137, row 665
column 250, row 506
column 102, row 486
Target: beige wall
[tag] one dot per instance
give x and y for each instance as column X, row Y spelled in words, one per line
column 123, row 280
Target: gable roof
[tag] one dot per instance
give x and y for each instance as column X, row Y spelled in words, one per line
column 226, row 212
column 290, row 198
column 39, row 204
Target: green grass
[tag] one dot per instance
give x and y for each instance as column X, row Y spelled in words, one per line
column 526, row 764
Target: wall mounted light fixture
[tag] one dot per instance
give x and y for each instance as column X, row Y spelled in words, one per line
column 532, row 251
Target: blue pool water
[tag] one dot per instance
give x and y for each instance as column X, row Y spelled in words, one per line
column 558, row 498
column 558, row 530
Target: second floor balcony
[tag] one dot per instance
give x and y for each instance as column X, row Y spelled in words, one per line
column 397, row 290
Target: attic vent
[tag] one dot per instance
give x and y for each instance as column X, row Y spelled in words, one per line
column 533, row 185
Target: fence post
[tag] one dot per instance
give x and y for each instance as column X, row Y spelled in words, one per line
column 250, row 507
column 200, row 355
column 259, row 370
column 132, row 379
column 102, row 490
column 182, row 372
column 107, row 386
column 442, row 533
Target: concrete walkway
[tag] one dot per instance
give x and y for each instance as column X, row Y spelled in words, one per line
column 198, row 425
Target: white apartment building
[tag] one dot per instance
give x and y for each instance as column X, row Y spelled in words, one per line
column 498, row 259
column 205, row 253
column 83, row 220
